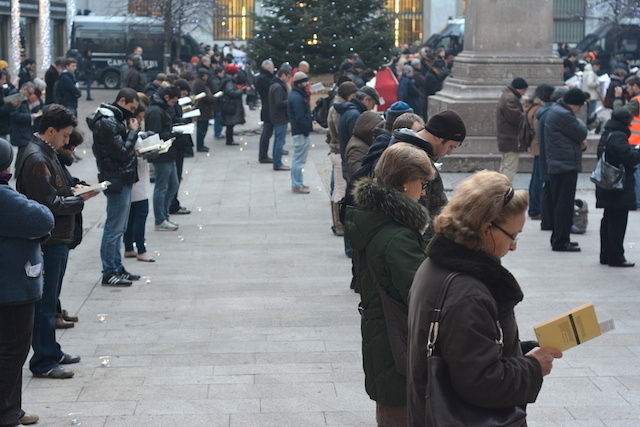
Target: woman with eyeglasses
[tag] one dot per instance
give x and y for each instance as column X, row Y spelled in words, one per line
column 478, row 334
column 385, row 230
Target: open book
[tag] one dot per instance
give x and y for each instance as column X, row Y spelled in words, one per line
column 572, row 328
column 96, row 187
column 189, row 128
column 153, row 143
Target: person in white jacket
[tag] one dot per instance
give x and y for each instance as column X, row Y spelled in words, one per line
column 591, row 84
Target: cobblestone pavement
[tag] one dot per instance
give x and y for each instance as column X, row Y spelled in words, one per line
column 246, row 318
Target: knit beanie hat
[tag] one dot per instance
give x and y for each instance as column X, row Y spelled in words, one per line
column 574, row 97
column 519, row 83
column 3, row 64
column 300, row 77
column 447, row 124
column 161, row 77
column 347, row 88
column 231, row 69
column 6, row 155
column 396, row 110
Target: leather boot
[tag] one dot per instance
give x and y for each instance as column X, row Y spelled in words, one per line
column 62, row 324
column 66, row 316
column 337, row 225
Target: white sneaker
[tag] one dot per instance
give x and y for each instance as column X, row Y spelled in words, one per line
column 173, row 223
column 166, row 226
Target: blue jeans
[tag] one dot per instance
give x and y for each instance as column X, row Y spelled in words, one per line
column 135, row 227
column 280, row 132
column 118, row 205
column 165, row 189
column 217, row 125
column 89, row 82
column 201, row 131
column 301, row 145
column 535, row 188
column 46, row 350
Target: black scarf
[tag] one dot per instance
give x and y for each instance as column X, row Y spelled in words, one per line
column 448, row 254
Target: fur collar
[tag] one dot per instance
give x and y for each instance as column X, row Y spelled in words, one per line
column 368, row 194
column 448, row 254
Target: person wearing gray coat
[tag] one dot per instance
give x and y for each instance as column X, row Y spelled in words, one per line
column 565, row 139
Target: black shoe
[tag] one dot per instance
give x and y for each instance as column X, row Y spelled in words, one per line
column 285, row 152
column 181, row 211
column 128, row 276
column 232, row 143
column 266, row 160
column 115, row 280
column 202, row 149
column 67, row 359
column 59, row 372
column 574, row 244
column 89, row 99
column 566, row 248
column 623, row 264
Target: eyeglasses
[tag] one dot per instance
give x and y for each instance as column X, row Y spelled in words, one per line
column 425, row 185
column 506, row 233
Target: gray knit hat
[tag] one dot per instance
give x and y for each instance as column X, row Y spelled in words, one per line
column 6, row 155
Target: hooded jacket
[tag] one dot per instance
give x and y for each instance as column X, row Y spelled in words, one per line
column 361, row 140
column 299, row 112
column 563, row 134
column 333, row 138
column 232, row 95
column 509, row 115
column 66, row 91
column 385, row 230
column 618, row 153
column 349, row 113
column 113, row 147
column 482, row 372
column 42, row 179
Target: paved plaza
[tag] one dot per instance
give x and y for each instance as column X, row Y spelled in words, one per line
column 247, row 319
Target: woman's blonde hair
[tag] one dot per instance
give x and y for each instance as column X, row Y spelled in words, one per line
column 401, row 163
column 486, row 197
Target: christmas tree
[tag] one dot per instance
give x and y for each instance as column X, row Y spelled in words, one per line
column 322, row 32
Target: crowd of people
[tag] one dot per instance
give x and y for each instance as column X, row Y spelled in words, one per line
column 408, row 243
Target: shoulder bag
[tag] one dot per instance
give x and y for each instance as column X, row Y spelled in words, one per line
column 444, row 407
column 606, row 176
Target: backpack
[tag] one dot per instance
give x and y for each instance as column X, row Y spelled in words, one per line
column 525, row 133
column 321, row 111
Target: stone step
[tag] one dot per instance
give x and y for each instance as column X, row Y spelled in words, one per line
column 489, row 145
column 462, row 162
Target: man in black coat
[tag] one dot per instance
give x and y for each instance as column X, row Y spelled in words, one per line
column 158, row 120
column 262, row 85
column 27, row 67
column 51, row 76
column 66, row 89
column 42, row 179
column 432, row 84
column 278, row 96
column 115, row 132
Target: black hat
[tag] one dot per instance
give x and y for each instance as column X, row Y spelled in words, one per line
column 519, row 83
column 438, row 63
column 574, row 97
column 447, row 124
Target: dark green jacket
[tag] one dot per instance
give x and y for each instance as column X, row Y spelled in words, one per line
column 385, row 230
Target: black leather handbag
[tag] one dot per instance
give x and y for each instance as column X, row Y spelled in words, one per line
column 444, row 407
column 606, row 176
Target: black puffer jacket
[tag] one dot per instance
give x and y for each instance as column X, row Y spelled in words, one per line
column 158, row 120
column 619, row 152
column 563, row 134
column 232, row 96
column 113, row 147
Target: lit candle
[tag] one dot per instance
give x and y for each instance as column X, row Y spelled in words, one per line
column 102, row 318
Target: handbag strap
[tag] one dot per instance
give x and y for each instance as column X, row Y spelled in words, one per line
column 606, row 144
column 437, row 313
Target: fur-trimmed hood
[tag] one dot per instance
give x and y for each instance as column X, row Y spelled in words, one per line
column 379, row 206
column 448, row 254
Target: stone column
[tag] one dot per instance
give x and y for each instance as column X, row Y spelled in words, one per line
column 503, row 39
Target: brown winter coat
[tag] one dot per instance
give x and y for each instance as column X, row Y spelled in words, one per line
column 531, row 109
column 483, row 373
column 206, row 105
column 358, row 145
column 509, row 115
column 333, row 139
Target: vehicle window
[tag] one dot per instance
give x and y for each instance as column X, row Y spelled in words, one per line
column 101, row 42
column 629, row 44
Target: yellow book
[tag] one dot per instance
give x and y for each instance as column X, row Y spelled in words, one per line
column 570, row 329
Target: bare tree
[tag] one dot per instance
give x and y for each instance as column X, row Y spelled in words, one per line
column 619, row 14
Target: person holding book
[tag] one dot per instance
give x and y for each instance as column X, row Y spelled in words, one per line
column 614, row 145
column 385, row 231
column 478, row 339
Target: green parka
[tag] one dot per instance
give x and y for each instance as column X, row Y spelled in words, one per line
column 385, row 230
